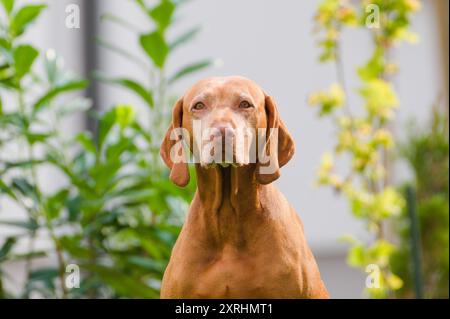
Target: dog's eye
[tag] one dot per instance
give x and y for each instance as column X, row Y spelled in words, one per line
column 245, row 105
column 198, row 106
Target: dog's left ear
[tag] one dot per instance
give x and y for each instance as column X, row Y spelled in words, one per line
column 179, row 171
column 284, row 147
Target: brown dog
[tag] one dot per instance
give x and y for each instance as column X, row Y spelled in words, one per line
column 241, row 238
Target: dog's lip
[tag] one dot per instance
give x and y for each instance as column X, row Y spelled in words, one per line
column 219, row 136
column 223, row 164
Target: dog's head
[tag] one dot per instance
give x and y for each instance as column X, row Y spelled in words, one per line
column 226, row 121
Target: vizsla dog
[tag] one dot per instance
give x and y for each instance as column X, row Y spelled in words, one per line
column 241, row 238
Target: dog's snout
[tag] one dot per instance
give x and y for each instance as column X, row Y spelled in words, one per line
column 224, row 128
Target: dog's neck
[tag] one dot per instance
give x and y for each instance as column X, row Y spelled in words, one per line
column 229, row 197
column 236, row 186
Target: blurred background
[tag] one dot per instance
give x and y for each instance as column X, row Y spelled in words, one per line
column 92, row 191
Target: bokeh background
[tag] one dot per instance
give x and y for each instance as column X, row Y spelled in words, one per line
column 271, row 42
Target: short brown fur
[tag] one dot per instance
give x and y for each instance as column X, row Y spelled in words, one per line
column 241, row 238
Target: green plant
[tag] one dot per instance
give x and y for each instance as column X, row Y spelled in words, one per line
column 363, row 135
column 116, row 215
column 32, row 123
column 427, row 153
column 157, row 48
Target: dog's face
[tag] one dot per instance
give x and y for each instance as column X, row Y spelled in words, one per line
column 222, row 119
column 221, row 116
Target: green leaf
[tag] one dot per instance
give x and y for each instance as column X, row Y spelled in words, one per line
column 125, row 116
column 147, row 263
column 5, row 45
column 7, row 190
column 24, row 57
column 70, row 86
column 135, row 87
column 184, row 38
column 74, row 207
column 156, row 47
column 7, row 247
column 15, row 119
column 7, row 54
column 8, row 60
column 24, row 164
column 24, row 17
column 46, row 275
column 115, row 150
column 124, row 53
column 25, row 256
column 74, row 106
column 24, row 187
column 141, row 3
column 104, row 173
column 34, row 138
column 188, row 69
column 123, row 283
column 31, row 224
column 137, row 196
column 374, row 67
column 75, row 247
column 119, row 21
column 56, row 203
column 7, row 79
column 106, row 123
column 85, row 139
column 162, row 14
column 348, row 238
column 356, row 256
column 394, row 282
column 141, row 131
column 8, row 5
column 380, row 252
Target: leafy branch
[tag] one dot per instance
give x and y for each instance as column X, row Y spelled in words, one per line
column 364, row 135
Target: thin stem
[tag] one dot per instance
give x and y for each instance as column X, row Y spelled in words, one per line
column 61, row 260
column 41, row 208
column 340, row 74
column 29, row 259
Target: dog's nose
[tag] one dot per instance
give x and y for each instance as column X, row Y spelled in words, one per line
column 223, row 128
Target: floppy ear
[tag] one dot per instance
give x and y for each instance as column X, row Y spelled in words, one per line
column 179, row 171
column 285, row 149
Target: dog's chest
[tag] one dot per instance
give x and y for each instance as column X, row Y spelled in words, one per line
column 231, row 274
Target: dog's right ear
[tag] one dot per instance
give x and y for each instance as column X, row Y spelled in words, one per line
column 284, row 146
column 179, row 171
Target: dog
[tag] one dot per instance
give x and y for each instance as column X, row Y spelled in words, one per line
column 241, row 237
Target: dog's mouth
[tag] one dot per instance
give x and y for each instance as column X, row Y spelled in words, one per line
column 222, row 161
column 225, row 151
column 222, row 165
column 210, row 150
column 225, row 156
